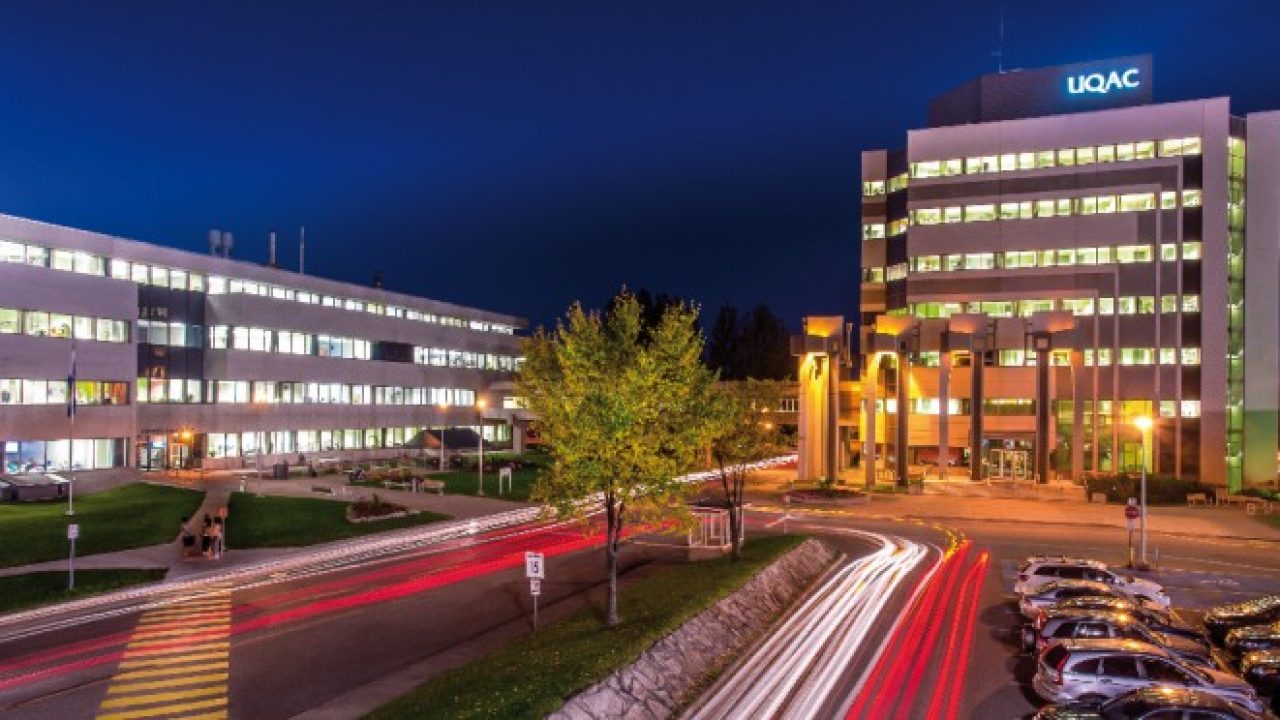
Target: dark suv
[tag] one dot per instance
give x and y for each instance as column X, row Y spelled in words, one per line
column 1258, row 611
column 1060, row 624
column 1153, row 617
column 1152, row 703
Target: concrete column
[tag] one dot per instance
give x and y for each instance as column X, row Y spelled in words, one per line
column 904, row 414
column 1042, row 416
column 1077, row 415
column 832, row 448
column 869, row 380
column 975, row 415
column 517, row 435
column 944, row 420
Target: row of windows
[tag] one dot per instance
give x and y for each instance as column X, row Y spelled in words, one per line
column 223, row 337
column 219, row 445
column 1105, row 306
column 874, row 188
column 1020, row 406
column 1103, row 357
column 60, row 325
column 172, row 278
column 1065, row 157
column 54, row 392
column 1057, row 207
column 445, row 357
column 1017, row 259
column 34, row 456
column 153, row 332
column 1031, row 209
column 273, row 392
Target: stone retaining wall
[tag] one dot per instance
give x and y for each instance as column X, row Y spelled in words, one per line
column 655, row 684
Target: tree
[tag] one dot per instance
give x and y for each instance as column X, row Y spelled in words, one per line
column 622, row 411
column 744, row 433
column 755, row 345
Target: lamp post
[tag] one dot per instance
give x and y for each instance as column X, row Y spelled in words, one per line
column 480, row 434
column 443, row 407
column 1143, row 423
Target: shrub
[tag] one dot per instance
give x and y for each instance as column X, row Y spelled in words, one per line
column 1161, row 489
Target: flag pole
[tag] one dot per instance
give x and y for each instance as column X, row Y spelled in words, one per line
column 71, row 434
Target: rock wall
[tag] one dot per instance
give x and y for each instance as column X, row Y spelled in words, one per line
column 655, row 684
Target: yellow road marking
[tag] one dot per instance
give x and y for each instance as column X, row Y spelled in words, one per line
column 216, row 715
column 167, row 661
column 170, row 669
column 164, row 710
column 119, row 689
column 197, row 647
column 156, row 619
column 134, row 700
column 190, row 630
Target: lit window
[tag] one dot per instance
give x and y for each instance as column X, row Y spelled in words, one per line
column 1191, row 198
column 1067, row 157
column 1084, row 156
column 952, row 214
column 1190, row 303
column 872, row 188
column 1008, row 162
column 927, row 169
column 1106, row 153
column 1124, row 152
column 1191, row 146
column 1136, row 202
column 979, row 213
column 1168, row 200
column 1170, row 148
column 872, row 231
column 1044, row 159
column 1168, row 356
column 951, row 167
column 1190, row 356
column 1026, row 161
column 1106, row 204
column 1190, row 408
column 1144, row 150
column 1191, row 250
column 1168, row 303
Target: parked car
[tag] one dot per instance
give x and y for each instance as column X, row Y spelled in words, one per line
column 1262, row 670
column 1041, row 571
column 1258, row 611
column 1152, row 703
column 1251, row 638
column 1059, row 624
column 1156, row 618
column 1055, row 592
column 1094, row 671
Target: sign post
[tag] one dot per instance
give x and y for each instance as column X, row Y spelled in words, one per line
column 1130, row 515
column 73, row 532
column 535, row 569
column 504, row 476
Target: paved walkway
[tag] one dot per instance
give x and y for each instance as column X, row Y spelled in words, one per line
column 218, row 488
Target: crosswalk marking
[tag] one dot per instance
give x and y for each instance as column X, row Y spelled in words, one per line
column 169, row 696
column 119, row 689
column 176, row 664
column 169, row 669
column 167, row 711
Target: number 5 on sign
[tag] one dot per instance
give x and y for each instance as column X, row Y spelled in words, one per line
column 534, row 566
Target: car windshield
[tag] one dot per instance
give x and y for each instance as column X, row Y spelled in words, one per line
column 1257, row 605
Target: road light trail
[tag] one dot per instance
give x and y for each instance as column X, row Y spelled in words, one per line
column 795, row 670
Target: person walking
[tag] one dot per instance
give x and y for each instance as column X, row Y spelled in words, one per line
column 206, row 537
column 188, row 538
column 217, row 538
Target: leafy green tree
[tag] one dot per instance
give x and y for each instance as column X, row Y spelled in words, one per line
column 623, row 409
column 745, row 432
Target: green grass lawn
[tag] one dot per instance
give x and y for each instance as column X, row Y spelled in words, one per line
column 20, row 592
column 534, row 675
column 256, row 522
column 465, row 482
column 126, row 517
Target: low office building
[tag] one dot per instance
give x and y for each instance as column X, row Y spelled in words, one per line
column 1056, row 257
column 186, row 360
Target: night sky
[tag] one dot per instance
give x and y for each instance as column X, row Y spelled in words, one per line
column 517, row 156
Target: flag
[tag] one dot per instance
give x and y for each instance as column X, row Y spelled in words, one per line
column 71, row 386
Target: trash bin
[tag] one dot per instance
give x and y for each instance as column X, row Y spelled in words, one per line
column 280, row 471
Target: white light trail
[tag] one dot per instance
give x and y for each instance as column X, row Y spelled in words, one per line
column 795, row 670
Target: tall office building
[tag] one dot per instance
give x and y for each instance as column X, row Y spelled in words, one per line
column 184, row 359
column 1055, row 257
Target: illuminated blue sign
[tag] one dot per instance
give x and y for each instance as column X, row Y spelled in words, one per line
column 1102, row 83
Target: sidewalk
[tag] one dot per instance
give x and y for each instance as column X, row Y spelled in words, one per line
column 1172, row 520
column 218, row 488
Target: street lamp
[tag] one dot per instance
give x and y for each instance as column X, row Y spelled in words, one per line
column 443, row 407
column 480, row 433
column 1143, row 423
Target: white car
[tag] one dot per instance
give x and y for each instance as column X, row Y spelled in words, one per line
column 1037, row 571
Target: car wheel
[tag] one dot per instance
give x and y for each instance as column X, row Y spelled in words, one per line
column 1028, row 640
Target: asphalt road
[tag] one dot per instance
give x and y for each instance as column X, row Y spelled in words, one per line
column 944, row 644
column 278, row 649
column 917, row 672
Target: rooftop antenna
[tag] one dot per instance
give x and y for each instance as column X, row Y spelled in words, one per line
column 999, row 51
column 302, row 250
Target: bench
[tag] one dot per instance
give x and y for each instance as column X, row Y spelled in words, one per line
column 325, row 489
column 1257, row 506
column 436, row 486
column 397, row 485
column 1226, row 499
column 1197, row 499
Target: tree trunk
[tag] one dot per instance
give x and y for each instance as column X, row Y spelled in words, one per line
column 735, row 529
column 611, row 615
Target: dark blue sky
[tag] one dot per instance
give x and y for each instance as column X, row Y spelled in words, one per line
column 517, row 156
